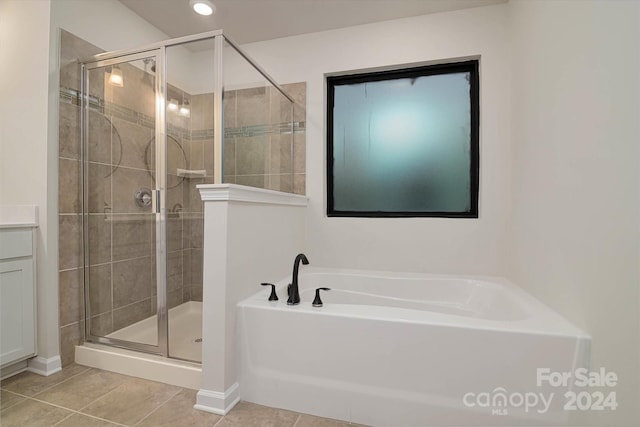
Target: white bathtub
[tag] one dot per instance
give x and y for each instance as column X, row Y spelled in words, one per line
column 396, row 349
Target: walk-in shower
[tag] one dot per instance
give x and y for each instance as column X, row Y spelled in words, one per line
column 156, row 122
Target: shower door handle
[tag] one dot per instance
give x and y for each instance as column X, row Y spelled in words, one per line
column 156, row 200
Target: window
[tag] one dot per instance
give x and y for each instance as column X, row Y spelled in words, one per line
column 404, row 143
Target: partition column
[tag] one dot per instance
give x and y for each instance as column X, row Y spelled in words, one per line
column 240, row 253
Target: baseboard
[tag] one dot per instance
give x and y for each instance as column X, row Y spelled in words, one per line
column 217, row 402
column 43, row 366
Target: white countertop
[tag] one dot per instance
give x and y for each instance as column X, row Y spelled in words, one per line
column 18, row 216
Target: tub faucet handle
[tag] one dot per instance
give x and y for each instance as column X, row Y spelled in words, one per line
column 317, row 302
column 273, row 296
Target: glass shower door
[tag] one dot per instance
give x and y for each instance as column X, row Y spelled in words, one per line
column 190, row 162
column 124, row 221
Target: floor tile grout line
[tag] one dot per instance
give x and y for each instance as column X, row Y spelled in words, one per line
column 17, row 394
column 65, row 418
column 74, row 411
column 220, row 420
column 159, row 406
column 47, row 388
column 100, row 397
column 297, row 420
column 62, row 382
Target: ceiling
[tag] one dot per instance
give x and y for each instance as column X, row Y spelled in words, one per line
column 247, row 21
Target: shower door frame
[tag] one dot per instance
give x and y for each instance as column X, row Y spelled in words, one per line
column 159, row 50
column 158, row 198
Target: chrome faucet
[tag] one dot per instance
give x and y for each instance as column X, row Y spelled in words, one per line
column 294, row 295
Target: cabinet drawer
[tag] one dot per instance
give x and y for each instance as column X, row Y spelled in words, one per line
column 15, row 243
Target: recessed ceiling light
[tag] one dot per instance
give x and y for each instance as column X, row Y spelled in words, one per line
column 202, row 7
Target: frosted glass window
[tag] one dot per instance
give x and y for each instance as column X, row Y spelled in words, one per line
column 404, row 142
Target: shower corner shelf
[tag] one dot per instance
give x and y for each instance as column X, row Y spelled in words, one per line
column 192, row 173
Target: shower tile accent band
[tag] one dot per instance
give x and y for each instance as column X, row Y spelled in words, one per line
column 72, row 96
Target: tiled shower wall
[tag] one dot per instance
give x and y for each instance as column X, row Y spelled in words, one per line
column 122, row 235
column 256, row 153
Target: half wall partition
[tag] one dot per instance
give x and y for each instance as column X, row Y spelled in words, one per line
column 157, row 121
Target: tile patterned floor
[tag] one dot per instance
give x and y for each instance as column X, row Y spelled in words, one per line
column 86, row 397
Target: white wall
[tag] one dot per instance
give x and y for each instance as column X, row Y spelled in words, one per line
column 28, row 173
column 576, row 172
column 409, row 244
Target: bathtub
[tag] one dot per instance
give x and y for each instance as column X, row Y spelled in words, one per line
column 398, row 349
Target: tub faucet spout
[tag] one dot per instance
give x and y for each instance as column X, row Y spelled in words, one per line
column 294, row 294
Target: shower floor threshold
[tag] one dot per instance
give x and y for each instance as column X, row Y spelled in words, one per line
column 142, row 365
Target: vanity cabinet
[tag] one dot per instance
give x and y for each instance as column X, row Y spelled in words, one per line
column 17, row 295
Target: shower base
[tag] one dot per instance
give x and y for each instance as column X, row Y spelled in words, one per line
column 185, row 329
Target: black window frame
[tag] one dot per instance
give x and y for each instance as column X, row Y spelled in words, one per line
column 472, row 67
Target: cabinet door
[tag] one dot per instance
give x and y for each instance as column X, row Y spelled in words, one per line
column 17, row 323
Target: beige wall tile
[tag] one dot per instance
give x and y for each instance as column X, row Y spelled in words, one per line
column 229, row 103
column 281, row 182
column 133, row 237
column 186, row 293
column 298, row 91
column 70, row 336
column 209, row 157
column 100, row 293
column 99, row 239
column 280, row 154
column 196, row 292
column 193, row 201
column 178, row 155
column 196, row 267
column 252, row 155
column 69, row 131
column 71, row 296
column 69, row 196
column 102, row 324
column 131, row 281
column 174, row 233
column 197, row 233
column 138, row 92
column 134, row 143
column 174, row 271
column 229, row 167
column 126, row 182
column 99, row 193
column 174, row 298
column 299, row 153
column 70, row 241
column 131, row 314
column 299, row 183
column 258, row 181
column 252, row 106
column 99, row 146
